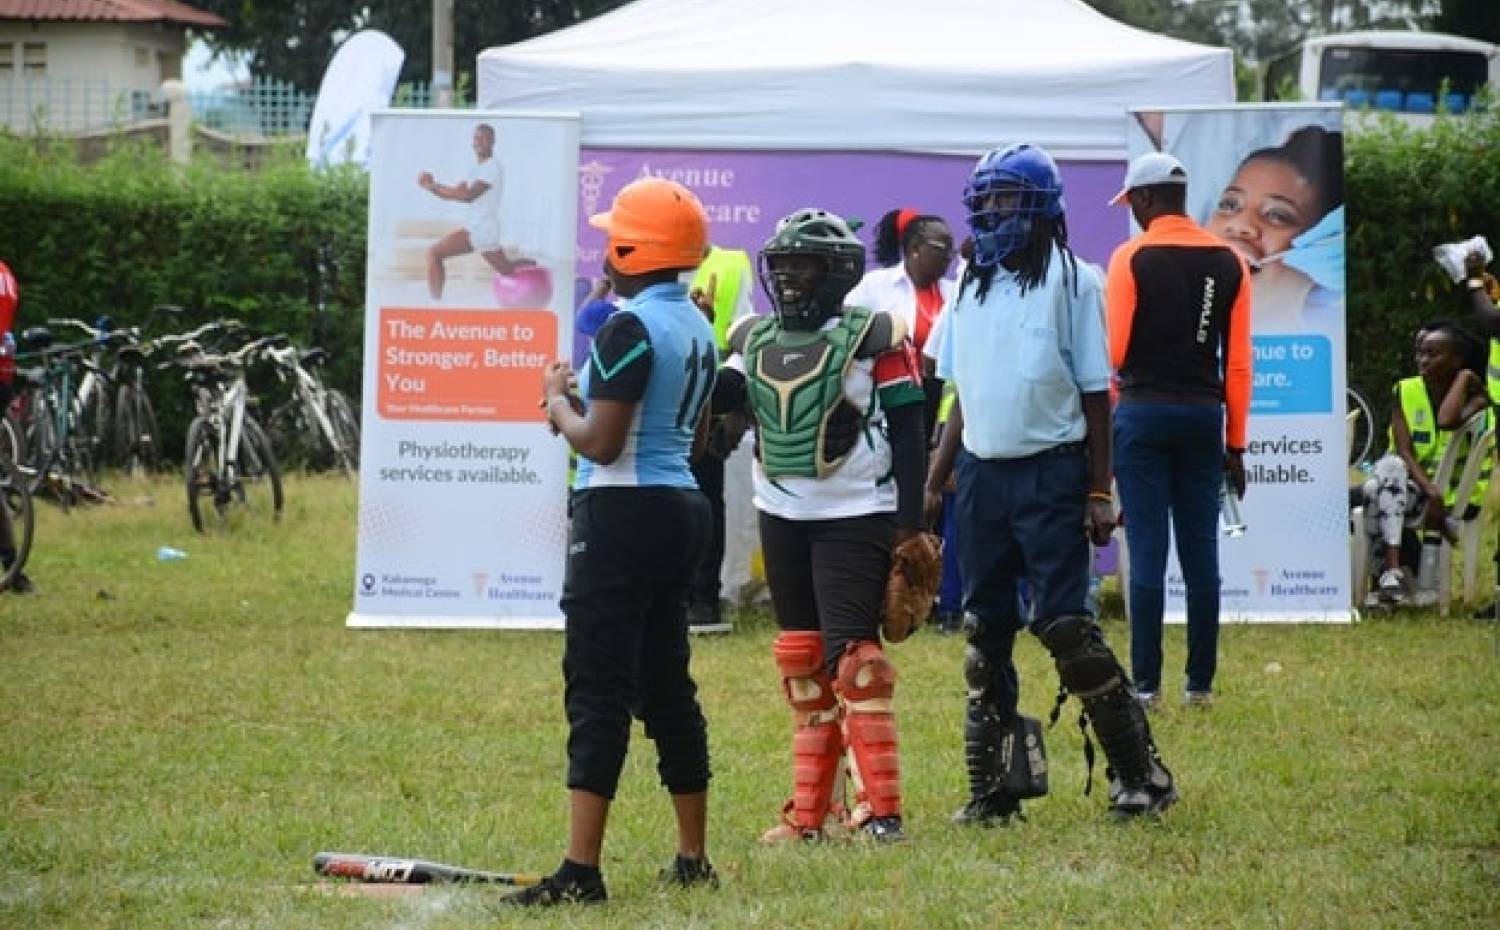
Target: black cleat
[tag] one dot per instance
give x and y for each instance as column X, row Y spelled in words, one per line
column 1148, row 800
column 689, row 873
column 992, row 810
column 884, row 829
column 20, row 584
column 552, row 891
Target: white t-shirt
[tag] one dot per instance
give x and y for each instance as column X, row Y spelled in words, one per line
column 483, row 212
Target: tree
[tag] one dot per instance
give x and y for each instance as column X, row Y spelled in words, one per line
column 1258, row 30
column 293, row 40
column 1477, row 19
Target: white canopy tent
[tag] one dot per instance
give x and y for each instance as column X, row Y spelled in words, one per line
column 895, row 75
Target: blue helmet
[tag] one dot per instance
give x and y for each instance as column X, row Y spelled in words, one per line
column 1000, row 229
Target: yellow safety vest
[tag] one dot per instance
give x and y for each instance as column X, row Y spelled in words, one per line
column 732, row 266
column 1429, row 442
column 1492, row 372
column 945, row 406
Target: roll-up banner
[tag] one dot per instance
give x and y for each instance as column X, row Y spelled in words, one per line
column 462, row 496
column 1268, row 179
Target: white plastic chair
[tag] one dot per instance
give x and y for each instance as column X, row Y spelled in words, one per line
column 1477, row 443
column 1471, row 531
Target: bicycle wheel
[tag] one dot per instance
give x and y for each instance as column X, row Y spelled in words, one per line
column 286, row 436
column 92, row 426
column 1360, row 425
column 135, row 431
column 345, row 431
column 12, row 439
column 259, row 483
column 42, row 447
column 16, row 521
column 202, row 473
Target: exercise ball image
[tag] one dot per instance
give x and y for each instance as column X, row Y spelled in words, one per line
column 529, row 287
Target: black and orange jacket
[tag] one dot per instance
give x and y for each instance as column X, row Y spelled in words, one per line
column 1178, row 303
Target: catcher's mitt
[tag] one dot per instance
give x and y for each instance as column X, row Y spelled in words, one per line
column 916, row 572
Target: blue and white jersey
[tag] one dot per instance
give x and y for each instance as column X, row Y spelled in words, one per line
column 658, row 352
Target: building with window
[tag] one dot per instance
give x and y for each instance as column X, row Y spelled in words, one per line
column 69, row 65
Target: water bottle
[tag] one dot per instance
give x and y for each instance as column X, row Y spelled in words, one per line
column 1427, row 565
column 168, row 554
column 1091, row 600
column 1230, row 516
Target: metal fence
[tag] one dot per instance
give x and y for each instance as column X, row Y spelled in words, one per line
column 33, row 105
column 264, row 108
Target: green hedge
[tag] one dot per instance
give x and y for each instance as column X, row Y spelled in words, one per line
column 1408, row 191
column 131, row 231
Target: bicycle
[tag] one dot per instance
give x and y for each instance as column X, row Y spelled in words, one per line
column 317, row 420
column 93, row 400
column 228, row 459
column 17, row 521
column 1360, row 427
column 55, row 455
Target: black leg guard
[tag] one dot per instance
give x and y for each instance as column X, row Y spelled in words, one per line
column 1088, row 669
column 1004, row 754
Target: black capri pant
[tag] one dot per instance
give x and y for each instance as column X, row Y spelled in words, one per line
column 631, row 554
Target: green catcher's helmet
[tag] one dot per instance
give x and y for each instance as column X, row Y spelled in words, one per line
column 808, row 266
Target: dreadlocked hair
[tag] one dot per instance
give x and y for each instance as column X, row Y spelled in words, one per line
column 1031, row 260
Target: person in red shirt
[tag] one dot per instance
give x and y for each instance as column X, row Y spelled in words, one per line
column 10, row 297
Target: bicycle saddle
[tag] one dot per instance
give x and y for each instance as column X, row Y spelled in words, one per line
column 36, row 337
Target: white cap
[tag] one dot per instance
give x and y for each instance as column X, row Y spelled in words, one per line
column 1151, row 168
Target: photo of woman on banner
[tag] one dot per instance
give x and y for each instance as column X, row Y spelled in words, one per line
column 1275, row 193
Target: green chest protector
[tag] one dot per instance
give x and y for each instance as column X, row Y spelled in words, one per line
column 795, row 380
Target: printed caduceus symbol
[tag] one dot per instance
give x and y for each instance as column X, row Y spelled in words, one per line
column 591, row 183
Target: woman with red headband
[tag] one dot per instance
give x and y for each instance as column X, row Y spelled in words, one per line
column 914, row 251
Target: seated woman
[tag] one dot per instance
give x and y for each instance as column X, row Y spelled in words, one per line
column 1426, row 409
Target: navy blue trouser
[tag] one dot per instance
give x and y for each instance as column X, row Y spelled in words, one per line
column 631, row 553
column 1169, row 463
column 1021, row 518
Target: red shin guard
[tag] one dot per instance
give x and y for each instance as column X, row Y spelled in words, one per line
column 866, row 684
column 817, row 744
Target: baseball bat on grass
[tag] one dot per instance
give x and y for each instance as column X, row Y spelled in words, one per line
column 397, row 870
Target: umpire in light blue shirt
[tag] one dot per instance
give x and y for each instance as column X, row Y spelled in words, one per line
column 1025, row 344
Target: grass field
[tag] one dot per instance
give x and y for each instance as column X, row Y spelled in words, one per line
column 181, row 737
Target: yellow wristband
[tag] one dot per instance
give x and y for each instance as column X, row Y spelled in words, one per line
column 1103, row 496
column 1476, row 284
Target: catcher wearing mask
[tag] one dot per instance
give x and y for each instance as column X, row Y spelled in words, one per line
column 837, row 399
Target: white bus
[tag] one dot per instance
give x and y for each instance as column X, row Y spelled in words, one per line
column 1410, row 74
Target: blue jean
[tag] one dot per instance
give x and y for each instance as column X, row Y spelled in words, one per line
column 1169, row 462
column 951, row 589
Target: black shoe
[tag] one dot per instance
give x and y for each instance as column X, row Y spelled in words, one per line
column 1148, row 800
column 20, row 584
column 704, row 617
column 553, row 891
column 1487, row 612
column 992, row 810
column 884, row 829
column 687, row 873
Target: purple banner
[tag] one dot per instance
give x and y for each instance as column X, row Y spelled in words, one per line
column 747, row 192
